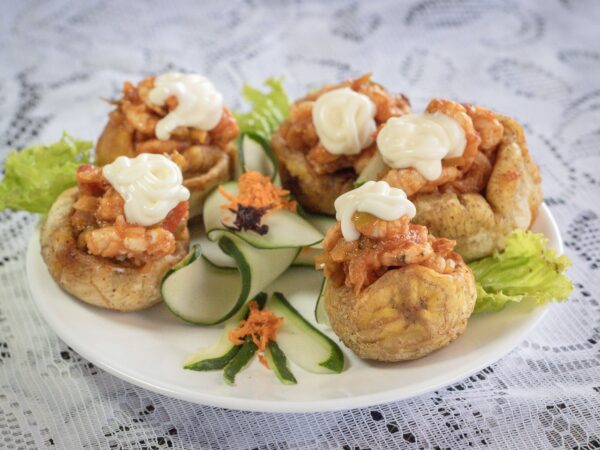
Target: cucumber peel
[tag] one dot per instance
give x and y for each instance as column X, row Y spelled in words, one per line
column 255, row 153
column 304, row 344
column 320, row 221
column 277, row 362
column 320, row 310
column 239, row 361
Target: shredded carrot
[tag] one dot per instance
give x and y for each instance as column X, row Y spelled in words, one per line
column 257, row 191
column 261, row 325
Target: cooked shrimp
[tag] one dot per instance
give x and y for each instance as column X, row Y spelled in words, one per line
column 139, row 117
column 324, row 162
column 458, row 113
column 110, row 206
column 406, row 253
column 412, row 182
column 440, row 264
column 301, row 134
column 475, row 179
column 387, row 105
column 226, row 130
column 486, row 124
column 128, row 241
column 370, row 226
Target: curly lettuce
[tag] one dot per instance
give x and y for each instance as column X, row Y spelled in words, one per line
column 35, row 176
column 525, row 270
column 267, row 110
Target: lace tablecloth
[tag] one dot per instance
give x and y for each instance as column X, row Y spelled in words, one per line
column 536, row 61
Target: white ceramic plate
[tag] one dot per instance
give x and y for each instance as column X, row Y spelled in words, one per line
column 148, row 348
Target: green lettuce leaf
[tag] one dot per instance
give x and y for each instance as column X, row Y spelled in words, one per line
column 525, row 270
column 267, row 111
column 35, row 176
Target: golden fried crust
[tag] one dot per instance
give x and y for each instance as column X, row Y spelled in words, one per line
column 116, row 139
column 406, row 314
column 217, row 168
column 481, row 222
column 214, row 165
column 95, row 280
column 315, row 192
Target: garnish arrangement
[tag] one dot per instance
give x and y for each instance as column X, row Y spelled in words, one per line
column 416, row 220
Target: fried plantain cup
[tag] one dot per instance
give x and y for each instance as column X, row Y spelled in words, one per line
column 100, row 281
column 406, row 314
column 482, row 196
column 480, row 221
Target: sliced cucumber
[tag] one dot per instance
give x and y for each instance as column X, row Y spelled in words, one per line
column 286, row 229
column 255, row 154
column 320, row 221
column 239, row 361
column 278, row 363
column 320, row 310
column 213, row 253
column 370, row 172
column 223, row 350
column 202, row 293
column 302, row 342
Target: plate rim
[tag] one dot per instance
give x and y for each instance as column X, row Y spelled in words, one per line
column 277, row 406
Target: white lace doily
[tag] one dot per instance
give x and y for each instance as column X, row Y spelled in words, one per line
column 536, row 61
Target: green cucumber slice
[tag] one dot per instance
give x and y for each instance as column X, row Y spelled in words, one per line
column 208, row 362
column 304, row 344
column 255, row 154
column 320, row 221
column 370, row 172
column 239, row 361
column 213, row 253
column 277, row 362
column 286, row 229
column 202, row 293
column 320, row 310
column 223, row 350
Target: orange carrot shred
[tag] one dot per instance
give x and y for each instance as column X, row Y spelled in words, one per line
column 256, row 190
column 261, row 325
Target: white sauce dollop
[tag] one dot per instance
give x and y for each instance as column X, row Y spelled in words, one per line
column 373, row 197
column 199, row 104
column 421, row 141
column 344, row 121
column 150, row 184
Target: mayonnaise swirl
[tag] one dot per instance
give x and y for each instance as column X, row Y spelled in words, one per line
column 150, row 184
column 373, row 197
column 421, row 141
column 344, row 121
column 199, row 104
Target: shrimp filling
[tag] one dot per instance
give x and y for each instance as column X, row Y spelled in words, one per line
column 101, row 229
column 460, row 172
column 142, row 115
column 300, row 132
column 382, row 246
